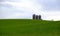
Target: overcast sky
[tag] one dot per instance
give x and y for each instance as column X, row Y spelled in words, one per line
column 48, row 9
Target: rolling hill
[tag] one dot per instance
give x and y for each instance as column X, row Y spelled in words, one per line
column 28, row 27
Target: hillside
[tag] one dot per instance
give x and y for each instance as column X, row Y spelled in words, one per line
column 28, row 27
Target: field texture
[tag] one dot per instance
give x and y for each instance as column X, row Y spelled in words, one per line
column 28, row 27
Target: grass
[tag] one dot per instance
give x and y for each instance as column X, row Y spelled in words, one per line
column 28, row 27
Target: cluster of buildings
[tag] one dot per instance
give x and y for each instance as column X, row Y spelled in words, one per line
column 37, row 17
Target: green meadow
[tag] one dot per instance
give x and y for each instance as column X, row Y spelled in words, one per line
column 29, row 27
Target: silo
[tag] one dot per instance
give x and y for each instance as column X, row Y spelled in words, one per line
column 39, row 17
column 34, row 16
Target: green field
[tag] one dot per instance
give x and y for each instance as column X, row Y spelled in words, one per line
column 28, row 27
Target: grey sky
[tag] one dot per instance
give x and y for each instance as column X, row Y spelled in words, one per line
column 50, row 4
column 10, row 0
column 5, row 5
column 25, row 8
column 47, row 4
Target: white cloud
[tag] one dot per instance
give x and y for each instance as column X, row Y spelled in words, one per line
column 25, row 9
column 27, row 6
column 18, row 15
column 51, row 15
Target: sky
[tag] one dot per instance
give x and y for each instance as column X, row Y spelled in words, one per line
column 24, row 9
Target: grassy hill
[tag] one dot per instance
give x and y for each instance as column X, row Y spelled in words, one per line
column 28, row 27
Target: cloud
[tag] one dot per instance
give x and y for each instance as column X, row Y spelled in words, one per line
column 1, row 0
column 5, row 5
column 19, row 15
column 23, row 7
column 51, row 15
column 26, row 8
column 10, row 0
column 50, row 5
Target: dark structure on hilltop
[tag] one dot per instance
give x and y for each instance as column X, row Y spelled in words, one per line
column 37, row 17
column 40, row 17
column 34, row 16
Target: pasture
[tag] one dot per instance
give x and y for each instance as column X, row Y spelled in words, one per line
column 29, row 27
